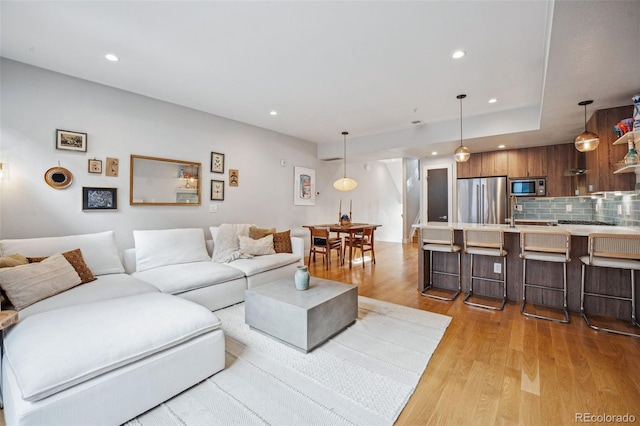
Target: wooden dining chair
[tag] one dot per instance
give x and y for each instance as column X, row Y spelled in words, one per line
column 323, row 243
column 363, row 241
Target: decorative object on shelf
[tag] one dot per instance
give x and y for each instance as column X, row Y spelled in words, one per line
column 234, row 177
column 636, row 113
column 631, row 159
column 461, row 153
column 301, row 278
column 217, row 190
column 217, row 162
column 71, row 141
column 112, row 167
column 99, row 198
column 304, row 186
column 345, row 219
column 345, row 184
column 95, row 166
column 58, row 177
column 623, row 127
column 586, row 141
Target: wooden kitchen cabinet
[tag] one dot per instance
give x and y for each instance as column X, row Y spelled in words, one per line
column 470, row 168
column 517, row 159
column 559, row 159
column 537, row 161
column 494, row 163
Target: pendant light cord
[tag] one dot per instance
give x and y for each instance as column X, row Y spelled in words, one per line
column 344, row 134
column 461, row 121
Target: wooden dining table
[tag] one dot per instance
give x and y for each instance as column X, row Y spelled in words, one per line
column 351, row 229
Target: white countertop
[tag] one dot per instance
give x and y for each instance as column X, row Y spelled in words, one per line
column 578, row 230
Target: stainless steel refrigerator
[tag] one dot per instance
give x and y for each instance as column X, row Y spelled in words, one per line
column 483, row 200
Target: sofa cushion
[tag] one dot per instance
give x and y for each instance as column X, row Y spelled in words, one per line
column 12, row 260
column 176, row 279
column 264, row 263
column 169, row 247
column 257, row 233
column 105, row 287
column 98, row 250
column 256, row 247
column 282, row 242
column 58, row 349
column 74, row 257
column 24, row 285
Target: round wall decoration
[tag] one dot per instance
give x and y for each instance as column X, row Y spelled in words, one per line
column 58, row 177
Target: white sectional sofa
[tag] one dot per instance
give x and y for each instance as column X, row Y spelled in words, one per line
column 178, row 262
column 110, row 349
column 104, row 351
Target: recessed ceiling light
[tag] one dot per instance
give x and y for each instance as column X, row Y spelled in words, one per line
column 434, row 153
column 502, row 146
column 493, row 100
column 458, row 54
column 274, row 113
column 111, row 57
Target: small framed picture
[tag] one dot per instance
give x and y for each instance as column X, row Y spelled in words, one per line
column 234, row 177
column 95, row 166
column 217, row 162
column 71, row 141
column 217, row 190
column 112, row 167
column 99, row 198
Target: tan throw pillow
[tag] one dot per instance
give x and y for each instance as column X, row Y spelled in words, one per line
column 282, row 242
column 13, row 260
column 74, row 257
column 25, row 285
column 257, row 233
column 256, row 247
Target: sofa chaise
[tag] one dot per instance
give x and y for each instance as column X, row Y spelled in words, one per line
column 104, row 351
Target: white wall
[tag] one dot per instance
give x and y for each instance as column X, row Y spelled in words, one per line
column 411, row 205
column 36, row 102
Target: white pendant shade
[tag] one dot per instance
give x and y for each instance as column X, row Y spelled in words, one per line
column 345, row 184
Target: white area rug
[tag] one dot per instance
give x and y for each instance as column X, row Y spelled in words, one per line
column 364, row 375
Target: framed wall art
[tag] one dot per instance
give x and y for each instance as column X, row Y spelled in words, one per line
column 99, row 198
column 217, row 190
column 217, row 162
column 112, row 167
column 304, row 187
column 71, row 141
column 234, row 177
column 95, row 166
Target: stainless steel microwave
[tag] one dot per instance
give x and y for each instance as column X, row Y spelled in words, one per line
column 528, row 187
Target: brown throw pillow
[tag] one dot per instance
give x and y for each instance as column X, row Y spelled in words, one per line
column 13, row 260
column 257, row 233
column 282, row 242
column 74, row 257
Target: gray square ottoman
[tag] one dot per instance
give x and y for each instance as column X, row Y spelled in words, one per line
column 301, row 319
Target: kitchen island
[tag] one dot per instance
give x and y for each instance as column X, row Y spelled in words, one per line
column 602, row 280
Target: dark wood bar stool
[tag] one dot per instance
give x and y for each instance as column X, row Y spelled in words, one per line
column 486, row 242
column 545, row 246
column 620, row 251
column 439, row 239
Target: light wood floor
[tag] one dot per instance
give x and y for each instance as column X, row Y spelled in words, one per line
column 501, row 367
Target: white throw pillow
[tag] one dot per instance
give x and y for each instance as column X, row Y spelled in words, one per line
column 25, row 285
column 169, row 247
column 99, row 250
column 257, row 247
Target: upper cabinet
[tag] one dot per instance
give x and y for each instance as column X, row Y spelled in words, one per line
column 527, row 162
column 470, row 168
column 494, row 163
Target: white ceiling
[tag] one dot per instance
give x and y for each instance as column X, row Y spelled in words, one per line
column 370, row 68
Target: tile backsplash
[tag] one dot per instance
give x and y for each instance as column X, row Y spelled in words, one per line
column 622, row 209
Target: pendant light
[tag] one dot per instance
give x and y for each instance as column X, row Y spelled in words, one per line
column 345, row 184
column 461, row 153
column 586, row 141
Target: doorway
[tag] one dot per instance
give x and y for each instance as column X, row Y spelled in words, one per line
column 437, row 193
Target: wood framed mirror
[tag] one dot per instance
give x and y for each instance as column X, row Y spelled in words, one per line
column 164, row 182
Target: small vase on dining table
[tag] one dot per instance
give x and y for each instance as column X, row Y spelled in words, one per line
column 301, row 278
